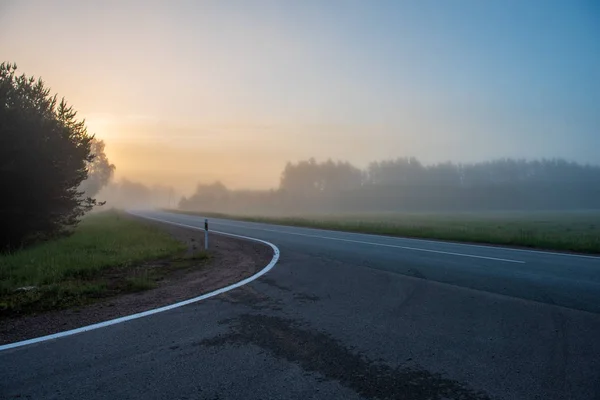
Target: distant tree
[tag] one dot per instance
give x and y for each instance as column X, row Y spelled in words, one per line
column 100, row 170
column 207, row 197
column 44, row 154
column 135, row 192
column 401, row 171
column 310, row 178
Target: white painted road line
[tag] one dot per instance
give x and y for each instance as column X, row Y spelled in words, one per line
column 374, row 244
column 160, row 309
column 419, row 240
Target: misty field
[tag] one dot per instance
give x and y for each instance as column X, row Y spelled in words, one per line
column 69, row 271
column 577, row 231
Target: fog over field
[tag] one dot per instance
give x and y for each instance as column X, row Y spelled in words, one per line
column 327, row 107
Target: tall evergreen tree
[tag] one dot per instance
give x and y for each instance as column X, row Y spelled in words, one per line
column 44, row 154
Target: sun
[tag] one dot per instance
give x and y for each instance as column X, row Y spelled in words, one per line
column 102, row 125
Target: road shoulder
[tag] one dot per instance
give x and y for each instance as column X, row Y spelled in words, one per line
column 231, row 260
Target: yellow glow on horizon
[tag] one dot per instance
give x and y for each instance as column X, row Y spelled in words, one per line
column 199, row 91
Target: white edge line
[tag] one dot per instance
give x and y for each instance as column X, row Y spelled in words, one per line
column 413, row 239
column 164, row 308
column 377, row 244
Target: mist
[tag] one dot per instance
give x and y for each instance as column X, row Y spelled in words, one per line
column 126, row 194
column 219, row 91
column 406, row 185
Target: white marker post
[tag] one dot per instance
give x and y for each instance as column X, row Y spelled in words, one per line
column 205, row 234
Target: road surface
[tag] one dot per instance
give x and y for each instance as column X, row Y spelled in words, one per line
column 346, row 316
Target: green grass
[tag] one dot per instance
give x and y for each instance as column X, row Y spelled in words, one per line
column 139, row 284
column 71, row 270
column 577, row 231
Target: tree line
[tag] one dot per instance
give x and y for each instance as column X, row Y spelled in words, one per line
column 406, row 184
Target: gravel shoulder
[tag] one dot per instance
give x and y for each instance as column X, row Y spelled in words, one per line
column 230, row 261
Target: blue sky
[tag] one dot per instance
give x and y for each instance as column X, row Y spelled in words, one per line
column 263, row 82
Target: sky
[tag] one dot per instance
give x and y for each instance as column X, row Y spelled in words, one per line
column 193, row 91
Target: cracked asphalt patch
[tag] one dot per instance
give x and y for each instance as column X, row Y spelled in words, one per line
column 250, row 297
column 320, row 353
column 304, row 297
column 272, row 283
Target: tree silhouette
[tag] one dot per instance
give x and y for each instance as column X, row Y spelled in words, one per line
column 309, row 178
column 100, row 170
column 44, row 154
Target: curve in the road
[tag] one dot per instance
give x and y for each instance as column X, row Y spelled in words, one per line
column 563, row 279
column 164, row 308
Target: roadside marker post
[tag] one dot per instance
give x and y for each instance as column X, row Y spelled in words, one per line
column 206, row 234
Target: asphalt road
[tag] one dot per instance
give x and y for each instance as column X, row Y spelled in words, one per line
column 346, row 316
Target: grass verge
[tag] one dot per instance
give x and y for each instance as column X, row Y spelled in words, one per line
column 575, row 231
column 108, row 254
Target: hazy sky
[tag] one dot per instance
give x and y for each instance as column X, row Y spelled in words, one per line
column 188, row 91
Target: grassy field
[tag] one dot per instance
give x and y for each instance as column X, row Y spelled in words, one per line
column 103, row 257
column 577, row 231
